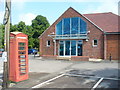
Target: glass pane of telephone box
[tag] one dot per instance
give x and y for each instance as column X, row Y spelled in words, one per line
column 21, row 44
column 22, row 56
column 22, row 64
column 21, row 52
column 22, row 60
column 22, row 69
column 21, row 48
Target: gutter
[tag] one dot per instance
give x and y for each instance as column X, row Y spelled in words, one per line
column 107, row 33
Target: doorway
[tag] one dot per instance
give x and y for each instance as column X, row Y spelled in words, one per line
column 70, row 48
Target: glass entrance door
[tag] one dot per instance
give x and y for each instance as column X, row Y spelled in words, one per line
column 61, row 49
column 67, row 48
column 79, row 48
column 73, row 48
column 70, row 48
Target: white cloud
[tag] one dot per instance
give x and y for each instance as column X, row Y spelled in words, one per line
column 1, row 16
column 111, row 6
column 60, row 0
column 27, row 18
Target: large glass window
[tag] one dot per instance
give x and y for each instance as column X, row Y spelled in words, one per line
column 66, row 28
column 74, row 25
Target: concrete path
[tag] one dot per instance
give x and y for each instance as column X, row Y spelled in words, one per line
column 47, row 66
column 102, row 68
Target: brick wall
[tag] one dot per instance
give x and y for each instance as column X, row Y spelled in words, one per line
column 49, row 56
column 88, row 49
column 79, row 58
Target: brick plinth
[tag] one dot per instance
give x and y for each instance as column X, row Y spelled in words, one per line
column 79, row 58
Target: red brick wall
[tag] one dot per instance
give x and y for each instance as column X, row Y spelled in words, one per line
column 112, row 47
column 49, row 56
column 80, row 58
column 88, row 50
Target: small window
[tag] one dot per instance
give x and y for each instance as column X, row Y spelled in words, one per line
column 95, row 43
column 48, row 43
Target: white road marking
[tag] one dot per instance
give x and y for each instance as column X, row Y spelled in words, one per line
column 92, row 76
column 97, row 83
column 39, row 85
column 100, row 80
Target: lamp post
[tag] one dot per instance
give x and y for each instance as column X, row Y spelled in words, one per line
column 6, row 22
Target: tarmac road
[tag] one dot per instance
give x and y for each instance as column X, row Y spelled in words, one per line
column 43, row 72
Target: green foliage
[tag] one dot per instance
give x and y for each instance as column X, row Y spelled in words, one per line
column 2, row 27
column 38, row 26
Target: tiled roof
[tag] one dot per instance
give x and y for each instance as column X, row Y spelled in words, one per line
column 108, row 22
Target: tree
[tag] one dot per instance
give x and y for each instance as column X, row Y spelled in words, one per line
column 21, row 26
column 39, row 25
column 2, row 28
column 29, row 31
column 13, row 28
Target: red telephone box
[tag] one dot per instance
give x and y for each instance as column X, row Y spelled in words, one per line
column 18, row 68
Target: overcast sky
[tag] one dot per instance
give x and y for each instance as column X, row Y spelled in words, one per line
column 27, row 10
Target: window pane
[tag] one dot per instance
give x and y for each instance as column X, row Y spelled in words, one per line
column 67, row 47
column 48, row 43
column 22, row 52
column 61, row 49
column 79, row 48
column 21, row 48
column 80, row 42
column 95, row 42
column 74, row 25
column 61, row 42
column 22, row 44
column 73, row 47
column 59, row 28
column 66, row 25
column 83, row 26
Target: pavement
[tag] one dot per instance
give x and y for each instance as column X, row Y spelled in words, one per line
column 48, row 73
column 1, row 72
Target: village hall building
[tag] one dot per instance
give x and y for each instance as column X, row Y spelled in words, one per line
column 81, row 37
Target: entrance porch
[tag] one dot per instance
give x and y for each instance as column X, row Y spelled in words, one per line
column 70, row 48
